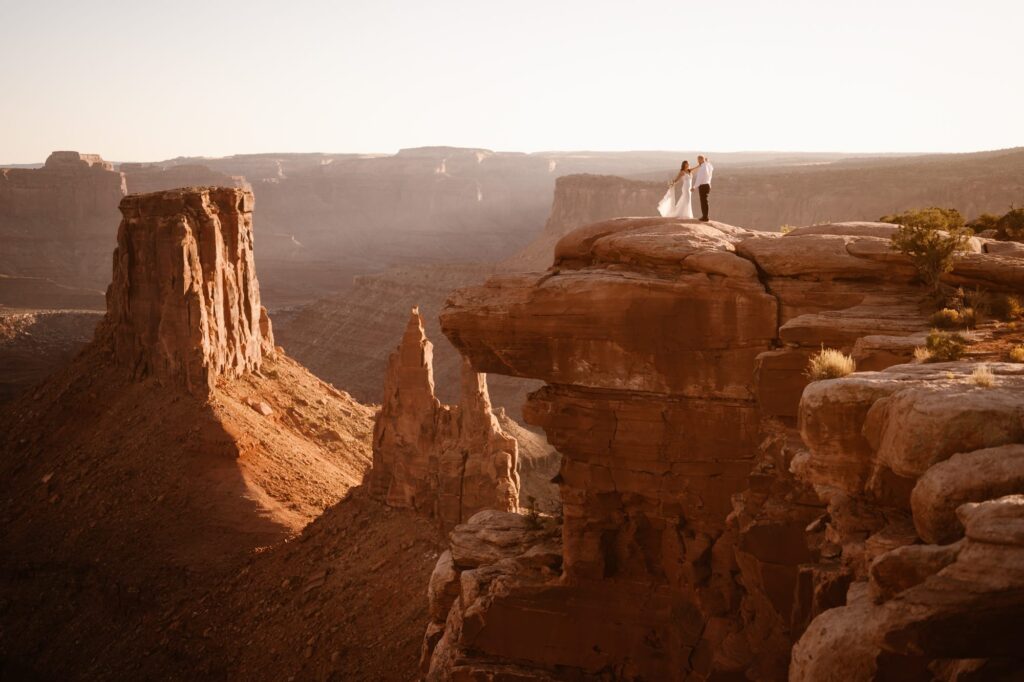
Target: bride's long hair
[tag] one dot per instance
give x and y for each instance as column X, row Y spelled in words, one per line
column 685, row 167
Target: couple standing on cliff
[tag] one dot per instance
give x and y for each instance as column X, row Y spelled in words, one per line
column 698, row 179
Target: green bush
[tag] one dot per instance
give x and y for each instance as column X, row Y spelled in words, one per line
column 986, row 221
column 1011, row 225
column 929, row 238
column 945, row 347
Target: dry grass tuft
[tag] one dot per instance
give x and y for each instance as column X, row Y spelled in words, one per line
column 982, row 376
column 922, row 354
column 829, row 363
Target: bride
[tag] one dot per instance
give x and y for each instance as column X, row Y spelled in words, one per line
column 668, row 207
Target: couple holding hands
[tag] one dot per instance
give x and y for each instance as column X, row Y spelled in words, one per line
column 698, row 179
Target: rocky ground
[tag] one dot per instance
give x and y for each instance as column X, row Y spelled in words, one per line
column 35, row 343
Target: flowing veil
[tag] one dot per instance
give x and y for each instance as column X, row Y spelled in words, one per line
column 667, row 205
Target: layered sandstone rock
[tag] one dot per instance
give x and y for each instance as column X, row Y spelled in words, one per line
column 57, row 222
column 673, row 354
column 447, row 462
column 184, row 304
column 916, row 463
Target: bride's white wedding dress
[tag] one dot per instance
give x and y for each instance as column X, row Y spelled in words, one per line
column 668, row 207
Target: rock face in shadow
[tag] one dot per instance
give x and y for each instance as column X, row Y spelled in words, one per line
column 446, row 462
column 699, row 537
column 34, row 344
column 184, row 304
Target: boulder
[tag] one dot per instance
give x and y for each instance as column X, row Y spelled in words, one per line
column 965, row 477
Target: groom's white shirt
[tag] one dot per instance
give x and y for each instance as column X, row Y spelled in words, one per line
column 703, row 174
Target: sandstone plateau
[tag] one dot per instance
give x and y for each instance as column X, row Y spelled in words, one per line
column 716, row 509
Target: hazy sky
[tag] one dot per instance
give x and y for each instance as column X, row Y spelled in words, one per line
column 138, row 80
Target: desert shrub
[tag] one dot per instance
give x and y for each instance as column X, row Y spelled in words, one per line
column 922, row 354
column 982, row 376
column 986, row 221
column 979, row 300
column 945, row 346
column 1006, row 307
column 947, row 318
column 950, row 318
column 1017, row 354
column 1011, row 225
column 829, row 363
column 929, row 238
column 786, row 229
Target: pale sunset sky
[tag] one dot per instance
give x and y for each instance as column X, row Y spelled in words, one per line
column 137, row 80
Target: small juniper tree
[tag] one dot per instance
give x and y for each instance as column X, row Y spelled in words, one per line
column 1011, row 225
column 930, row 237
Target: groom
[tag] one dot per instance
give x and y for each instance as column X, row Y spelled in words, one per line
column 702, row 183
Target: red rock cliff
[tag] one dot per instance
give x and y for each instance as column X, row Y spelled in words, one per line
column 184, row 303
column 673, row 354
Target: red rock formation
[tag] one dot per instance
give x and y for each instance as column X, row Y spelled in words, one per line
column 184, row 304
column 677, row 432
column 911, row 455
column 56, row 222
column 445, row 462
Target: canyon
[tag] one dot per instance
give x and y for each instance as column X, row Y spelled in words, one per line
column 170, row 455
column 700, row 510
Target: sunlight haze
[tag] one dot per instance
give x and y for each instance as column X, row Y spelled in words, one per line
column 147, row 81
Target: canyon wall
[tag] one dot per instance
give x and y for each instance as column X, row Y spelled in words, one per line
column 445, row 462
column 56, row 221
column 143, row 178
column 674, row 356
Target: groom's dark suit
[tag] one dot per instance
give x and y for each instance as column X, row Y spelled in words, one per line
column 702, row 178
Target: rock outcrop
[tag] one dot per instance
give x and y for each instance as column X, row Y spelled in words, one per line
column 446, row 462
column 699, row 537
column 184, row 304
column 922, row 470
